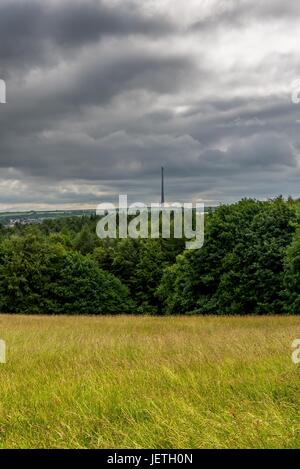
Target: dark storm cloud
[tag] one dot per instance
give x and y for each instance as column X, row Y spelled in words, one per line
column 38, row 110
column 35, row 33
column 102, row 93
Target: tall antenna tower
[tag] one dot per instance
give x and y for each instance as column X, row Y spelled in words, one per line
column 162, row 187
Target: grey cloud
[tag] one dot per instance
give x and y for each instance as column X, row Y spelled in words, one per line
column 39, row 33
column 238, row 14
column 101, row 94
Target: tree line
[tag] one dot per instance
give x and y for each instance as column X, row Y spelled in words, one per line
column 249, row 264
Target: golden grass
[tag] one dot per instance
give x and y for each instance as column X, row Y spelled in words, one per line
column 131, row 382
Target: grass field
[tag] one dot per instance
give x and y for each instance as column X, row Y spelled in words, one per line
column 130, row 382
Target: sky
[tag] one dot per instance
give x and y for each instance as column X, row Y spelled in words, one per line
column 102, row 93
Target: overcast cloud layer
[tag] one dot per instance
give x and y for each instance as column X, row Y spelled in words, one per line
column 101, row 93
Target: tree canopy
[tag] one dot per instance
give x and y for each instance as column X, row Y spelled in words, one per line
column 249, row 264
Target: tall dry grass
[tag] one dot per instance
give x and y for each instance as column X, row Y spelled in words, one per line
column 170, row 382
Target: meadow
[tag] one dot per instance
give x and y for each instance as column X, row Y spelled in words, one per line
column 150, row 382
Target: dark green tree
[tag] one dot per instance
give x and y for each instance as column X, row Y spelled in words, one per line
column 85, row 241
column 291, row 291
column 240, row 267
column 41, row 277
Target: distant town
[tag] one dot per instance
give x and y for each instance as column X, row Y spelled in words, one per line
column 11, row 219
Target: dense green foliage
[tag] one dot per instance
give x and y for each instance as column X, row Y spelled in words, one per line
column 41, row 276
column 249, row 264
column 240, row 268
